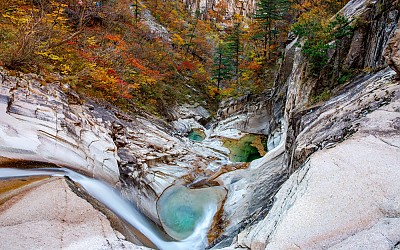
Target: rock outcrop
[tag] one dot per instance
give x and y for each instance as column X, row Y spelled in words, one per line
column 336, row 147
column 23, row 220
column 42, row 123
column 328, row 180
column 230, row 7
column 347, row 190
column 392, row 52
column 139, row 153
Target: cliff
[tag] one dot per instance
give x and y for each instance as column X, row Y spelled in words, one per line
column 328, row 180
column 339, row 155
column 229, row 7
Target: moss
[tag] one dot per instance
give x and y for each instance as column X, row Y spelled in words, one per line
column 345, row 76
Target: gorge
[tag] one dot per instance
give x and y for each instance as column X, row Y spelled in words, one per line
column 288, row 168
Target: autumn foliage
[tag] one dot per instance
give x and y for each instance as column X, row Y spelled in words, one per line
column 151, row 53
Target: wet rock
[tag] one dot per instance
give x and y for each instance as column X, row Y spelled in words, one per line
column 343, row 197
column 184, row 211
column 250, row 193
column 37, row 123
column 45, row 216
column 310, row 131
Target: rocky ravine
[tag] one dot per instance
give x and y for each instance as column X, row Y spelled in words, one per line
column 49, row 207
column 346, row 151
column 338, row 160
column 49, row 123
column 345, row 195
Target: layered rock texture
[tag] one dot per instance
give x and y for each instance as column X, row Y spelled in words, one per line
column 69, row 222
column 42, row 123
column 342, row 155
column 50, row 123
column 230, row 7
column 328, row 180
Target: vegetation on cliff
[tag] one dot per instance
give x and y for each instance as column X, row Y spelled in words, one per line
column 152, row 53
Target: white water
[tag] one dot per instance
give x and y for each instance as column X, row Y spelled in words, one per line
column 124, row 209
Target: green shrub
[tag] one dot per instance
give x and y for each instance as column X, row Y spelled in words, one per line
column 320, row 38
column 324, row 96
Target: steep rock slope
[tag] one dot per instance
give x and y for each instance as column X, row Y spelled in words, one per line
column 346, row 152
column 139, row 153
column 231, row 7
column 345, row 189
column 23, row 222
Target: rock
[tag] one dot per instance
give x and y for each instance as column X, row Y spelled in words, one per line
column 392, row 51
column 156, row 29
column 49, row 215
column 383, row 22
column 311, row 131
column 250, row 193
column 244, row 8
column 38, row 124
column 343, row 197
column 249, row 113
column 338, row 118
column 355, row 56
column 356, row 8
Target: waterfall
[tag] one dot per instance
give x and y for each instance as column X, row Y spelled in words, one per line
column 123, row 208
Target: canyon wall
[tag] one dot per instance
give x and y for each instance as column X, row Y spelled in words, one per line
column 339, row 155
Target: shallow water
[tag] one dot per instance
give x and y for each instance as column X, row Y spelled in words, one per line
column 247, row 148
column 180, row 209
column 123, row 208
column 197, row 135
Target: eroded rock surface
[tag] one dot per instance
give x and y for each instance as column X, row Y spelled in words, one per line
column 50, row 216
column 341, row 194
column 50, row 123
column 38, row 123
column 337, row 136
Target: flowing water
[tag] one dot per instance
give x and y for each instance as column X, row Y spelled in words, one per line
column 124, row 209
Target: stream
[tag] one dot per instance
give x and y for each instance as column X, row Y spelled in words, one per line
column 123, row 208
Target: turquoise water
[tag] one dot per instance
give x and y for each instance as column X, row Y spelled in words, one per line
column 127, row 211
column 183, row 211
column 196, row 135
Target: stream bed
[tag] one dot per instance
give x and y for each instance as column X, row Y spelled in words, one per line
column 195, row 238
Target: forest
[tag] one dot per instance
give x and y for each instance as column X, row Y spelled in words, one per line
column 148, row 55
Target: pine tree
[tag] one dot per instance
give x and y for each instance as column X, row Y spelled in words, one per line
column 234, row 45
column 223, row 67
column 267, row 13
column 135, row 9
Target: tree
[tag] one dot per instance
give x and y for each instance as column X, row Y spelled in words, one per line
column 223, row 66
column 267, row 13
column 234, row 43
column 135, row 9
